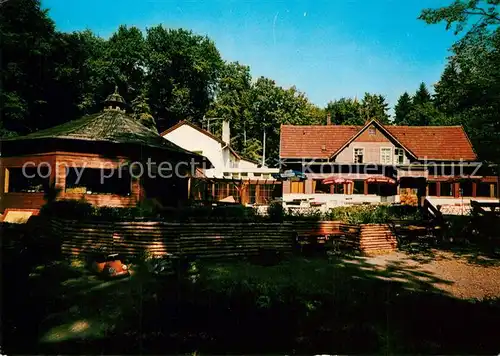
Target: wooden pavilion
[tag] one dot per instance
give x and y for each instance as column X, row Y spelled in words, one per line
column 108, row 159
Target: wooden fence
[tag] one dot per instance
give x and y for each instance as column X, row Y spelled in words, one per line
column 199, row 240
column 160, row 238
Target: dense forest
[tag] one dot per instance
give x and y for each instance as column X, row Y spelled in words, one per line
column 166, row 75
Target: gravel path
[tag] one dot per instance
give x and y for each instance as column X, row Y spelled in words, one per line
column 459, row 275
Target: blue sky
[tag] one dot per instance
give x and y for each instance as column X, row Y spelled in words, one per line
column 327, row 49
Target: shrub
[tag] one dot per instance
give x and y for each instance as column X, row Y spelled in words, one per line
column 68, row 209
column 310, row 214
column 276, row 212
column 369, row 214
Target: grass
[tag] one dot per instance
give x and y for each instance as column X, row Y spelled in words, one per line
column 336, row 305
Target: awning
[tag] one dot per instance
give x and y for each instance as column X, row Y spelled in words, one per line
column 381, row 180
column 336, row 180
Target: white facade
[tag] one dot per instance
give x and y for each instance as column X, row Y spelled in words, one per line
column 227, row 164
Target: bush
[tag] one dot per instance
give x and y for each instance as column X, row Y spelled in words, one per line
column 68, row 209
column 276, row 212
column 310, row 214
column 368, row 214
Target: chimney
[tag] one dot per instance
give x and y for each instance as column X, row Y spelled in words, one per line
column 328, row 119
column 226, row 133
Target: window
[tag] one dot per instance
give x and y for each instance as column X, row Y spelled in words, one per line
column 97, row 181
column 251, row 194
column 446, row 189
column 466, row 189
column 373, row 188
column 372, row 131
column 400, row 155
column 358, row 155
column 234, row 191
column 29, row 180
column 265, row 193
column 257, row 174
column 386, row 155
column 338, row 189
column 266, row 176
column 320, row 188
column 199, row 189
column 198, row 152
column 483, row 189
column 244, row 175
column 432, row 189
column 220, row 191
column 359, row 187
column 235, row 175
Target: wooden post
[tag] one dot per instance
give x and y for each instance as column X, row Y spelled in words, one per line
column 492, row 190
column 365, row 189
column 286, row 187
column 498, row 183
column 332, row 189
column 438, row 189
column 257, row 193
column 456, row 189
column 6, row 181
column 474, row 189
column 243, row 193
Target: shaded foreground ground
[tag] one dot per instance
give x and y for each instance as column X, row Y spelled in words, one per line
column 403, row 303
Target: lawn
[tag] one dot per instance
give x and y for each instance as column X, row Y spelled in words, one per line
column 343, row 304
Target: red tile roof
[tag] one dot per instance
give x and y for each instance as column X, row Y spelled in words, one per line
column 430, row 142
column 435, row 142
column 313, row 141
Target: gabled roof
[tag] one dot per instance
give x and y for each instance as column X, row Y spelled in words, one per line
column 108, row 126
column 384, row 131
column 205, row 132
column 446, row 143
column 314, row 141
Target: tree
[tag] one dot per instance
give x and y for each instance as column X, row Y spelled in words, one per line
column 374, row 106
column 460, row 13
column 272, row 106
column 126, row 57
column 345, row 111
column 182, row 71
column 468, row 90
column 232, row 101
column 423, row 115
column 142, row 112
column 422, row 96
column 252, row 149
column 403, row 109
column 27, row 35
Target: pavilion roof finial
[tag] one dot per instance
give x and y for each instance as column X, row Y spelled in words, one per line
column 115, row 101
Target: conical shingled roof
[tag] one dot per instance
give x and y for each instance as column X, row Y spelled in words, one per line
column 107, row 126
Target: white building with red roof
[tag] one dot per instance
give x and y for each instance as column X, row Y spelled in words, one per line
column 233, row 177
